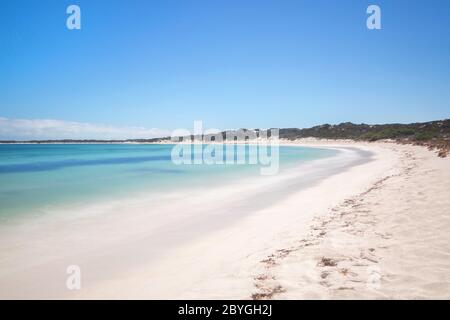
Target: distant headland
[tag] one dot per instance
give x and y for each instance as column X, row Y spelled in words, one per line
column 434, row 134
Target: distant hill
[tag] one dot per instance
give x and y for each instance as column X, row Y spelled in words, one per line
column 434, row 134
column 415, row 131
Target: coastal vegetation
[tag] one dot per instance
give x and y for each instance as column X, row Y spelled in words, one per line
column 433, row 134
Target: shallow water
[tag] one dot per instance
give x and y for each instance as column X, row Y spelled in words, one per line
column 38, row 178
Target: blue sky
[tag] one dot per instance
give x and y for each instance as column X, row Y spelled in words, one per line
column 247, row 63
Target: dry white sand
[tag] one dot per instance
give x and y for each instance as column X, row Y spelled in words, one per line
column 371, row 229
column 389, row 241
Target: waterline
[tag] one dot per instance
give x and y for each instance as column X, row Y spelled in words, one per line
column 39, row 178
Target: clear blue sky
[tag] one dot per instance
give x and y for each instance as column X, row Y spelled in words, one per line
column 230, row 63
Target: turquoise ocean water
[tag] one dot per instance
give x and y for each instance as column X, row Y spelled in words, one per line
column 35, row 178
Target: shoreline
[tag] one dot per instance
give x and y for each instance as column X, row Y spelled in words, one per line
column 240, row 255
column 389, row 241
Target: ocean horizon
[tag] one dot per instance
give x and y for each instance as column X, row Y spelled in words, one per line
column 225, row 151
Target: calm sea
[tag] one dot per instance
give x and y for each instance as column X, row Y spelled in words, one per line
column 37, row 178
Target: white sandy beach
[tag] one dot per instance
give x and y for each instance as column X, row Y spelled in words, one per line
column 346, row 227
